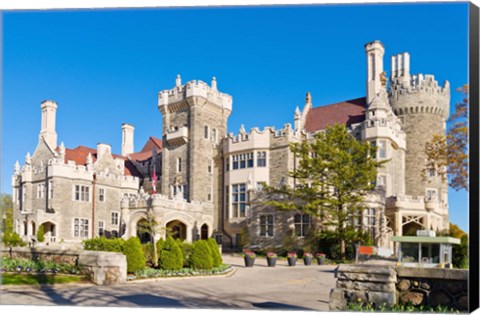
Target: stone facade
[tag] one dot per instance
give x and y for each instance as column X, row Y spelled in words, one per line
column 199, row 181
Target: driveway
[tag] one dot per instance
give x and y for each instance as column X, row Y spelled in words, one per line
column 280, row 288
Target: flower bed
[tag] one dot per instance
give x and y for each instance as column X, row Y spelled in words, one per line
column 36, row 266
column 185, row 272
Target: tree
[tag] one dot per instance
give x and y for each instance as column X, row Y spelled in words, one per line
column 150, row 226
column 448, row 155
column 334, row 174
column 6, row 214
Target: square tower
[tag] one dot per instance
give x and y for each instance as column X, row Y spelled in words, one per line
column 194, row 122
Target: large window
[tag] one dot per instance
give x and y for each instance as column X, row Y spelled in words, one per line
column 40, row 190
column 80, row 227
column 266, row 225
column 101, row 228
column 239, row 200
column 431, row 195
column 382, row 149
column 82, row 193
column 302, row 224
column 370, row 222
column 261, row 159
column 115, row 218
column 244, row 160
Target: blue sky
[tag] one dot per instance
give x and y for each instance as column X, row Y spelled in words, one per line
column 105, row 67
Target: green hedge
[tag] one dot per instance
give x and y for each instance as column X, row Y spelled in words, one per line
column 201, row 256
column 216, row 256
column 130, row 248
column 104, row 244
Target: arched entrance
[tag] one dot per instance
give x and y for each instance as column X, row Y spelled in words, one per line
column 177, row 229
column 204, row 232
column 144, row 231
column 50, row 233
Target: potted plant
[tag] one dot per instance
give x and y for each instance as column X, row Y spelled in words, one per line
column 271, row 259
column 249, row 258
column 307, row 258
column 321, row 258
column 292, row 258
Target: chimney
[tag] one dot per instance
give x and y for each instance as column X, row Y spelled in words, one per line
column 103, row 149
column 127, row 139
column 49, row 109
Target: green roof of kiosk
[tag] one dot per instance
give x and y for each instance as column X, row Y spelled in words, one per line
column 426, row 239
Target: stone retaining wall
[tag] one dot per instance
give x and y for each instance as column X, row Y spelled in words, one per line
column 389, row 285
column 66, row 256
column 103, row 268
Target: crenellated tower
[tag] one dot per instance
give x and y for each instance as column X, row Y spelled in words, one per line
column 423, row 107
column 194, row 122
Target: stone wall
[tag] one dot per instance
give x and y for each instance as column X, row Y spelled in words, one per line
column 389, row 285
column 44, row 254
column 103, row 268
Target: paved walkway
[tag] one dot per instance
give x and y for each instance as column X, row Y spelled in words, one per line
column 282, row 288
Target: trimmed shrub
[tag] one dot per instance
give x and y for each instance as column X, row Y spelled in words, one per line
column 41, row 234
column 186, row 249
column 13, row 239
column 134, row 253
column 159, row 246
column 171, row 257
column 104, row 244
column 216, row 256
column 201, row 256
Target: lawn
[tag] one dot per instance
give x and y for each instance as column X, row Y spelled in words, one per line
column 19, row 279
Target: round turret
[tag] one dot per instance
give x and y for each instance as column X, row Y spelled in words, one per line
column 423, row 107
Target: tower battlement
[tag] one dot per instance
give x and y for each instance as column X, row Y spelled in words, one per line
column 416, row 94
column 194, row 88
column 420, row 94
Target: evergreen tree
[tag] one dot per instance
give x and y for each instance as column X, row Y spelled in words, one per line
column 333, row 175
column 41, row 234
column 134, row 253
column 216, row 256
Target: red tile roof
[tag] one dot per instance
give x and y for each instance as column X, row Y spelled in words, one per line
column 147, row 150
column 346, row 113
column 80, row 153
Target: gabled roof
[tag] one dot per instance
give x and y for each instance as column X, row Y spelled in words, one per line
column 345, row 113
column 147, row 150
column 80, row 153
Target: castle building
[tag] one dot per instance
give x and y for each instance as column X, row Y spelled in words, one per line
column 198, row 181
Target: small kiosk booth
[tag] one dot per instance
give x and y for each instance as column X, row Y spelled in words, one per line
column 425, row 250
